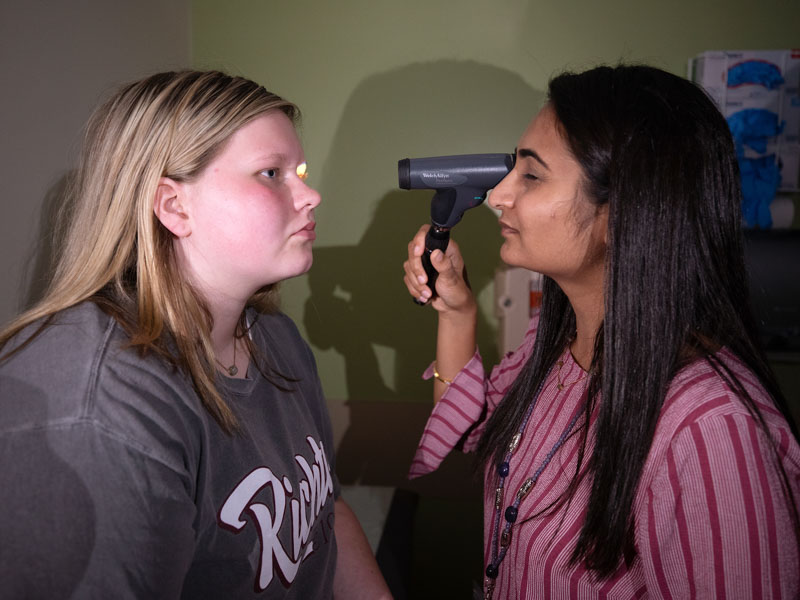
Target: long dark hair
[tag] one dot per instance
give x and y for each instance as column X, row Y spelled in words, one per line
column 656, row 150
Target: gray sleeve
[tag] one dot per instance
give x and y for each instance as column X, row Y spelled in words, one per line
column 88, row 511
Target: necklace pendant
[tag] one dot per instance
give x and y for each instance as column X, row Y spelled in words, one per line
column 488, row 589
column 233, row 370
column 505, row 538
column 525, row 488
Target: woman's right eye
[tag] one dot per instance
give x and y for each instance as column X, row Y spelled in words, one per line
column 270, row 173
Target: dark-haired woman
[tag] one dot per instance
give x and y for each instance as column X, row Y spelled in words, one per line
column 636, row 444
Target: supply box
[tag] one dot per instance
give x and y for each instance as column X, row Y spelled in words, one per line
column 757, row 92
column 517, row 293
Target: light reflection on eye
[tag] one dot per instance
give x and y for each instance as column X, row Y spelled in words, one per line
column 302, row 171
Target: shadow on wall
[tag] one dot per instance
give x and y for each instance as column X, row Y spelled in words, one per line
column 360, row 308
column 41, row 260
column 359, row 305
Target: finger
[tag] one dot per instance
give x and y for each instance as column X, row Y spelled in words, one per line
column 412, row 275
column 417, row 245
column 453, row 252
column 415, row 281
column 422, row 294
column 441, row 262
column 450, row 273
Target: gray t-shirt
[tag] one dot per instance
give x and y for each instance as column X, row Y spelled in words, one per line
column 115, row 482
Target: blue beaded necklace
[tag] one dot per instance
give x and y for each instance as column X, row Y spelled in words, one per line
column 511, row 512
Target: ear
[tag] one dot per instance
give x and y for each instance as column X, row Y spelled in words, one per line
column 169, row 207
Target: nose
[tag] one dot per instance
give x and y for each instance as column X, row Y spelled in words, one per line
column 306, row 197
column 501, row 194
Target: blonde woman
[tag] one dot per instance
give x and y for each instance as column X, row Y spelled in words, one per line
column 163, row 429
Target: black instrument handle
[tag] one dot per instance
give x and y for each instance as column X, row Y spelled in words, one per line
column 437, row 238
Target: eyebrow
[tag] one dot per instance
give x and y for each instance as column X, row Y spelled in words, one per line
column 269, row 157
column 528, row 153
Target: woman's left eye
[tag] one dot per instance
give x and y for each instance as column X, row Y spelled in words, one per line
column 270, row 173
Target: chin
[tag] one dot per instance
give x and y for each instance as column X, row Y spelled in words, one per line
column 301, row 269
column 509, row 257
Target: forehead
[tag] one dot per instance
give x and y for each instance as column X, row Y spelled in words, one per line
column 543, row 135
column 272, row 133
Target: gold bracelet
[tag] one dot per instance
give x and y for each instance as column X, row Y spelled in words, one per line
column 439, row 377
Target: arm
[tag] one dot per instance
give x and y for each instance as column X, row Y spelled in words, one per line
column 357, row 575
column 466, row 404
column 455, row 343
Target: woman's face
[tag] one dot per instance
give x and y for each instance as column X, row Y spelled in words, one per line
column 548, row 224
column 252, row 215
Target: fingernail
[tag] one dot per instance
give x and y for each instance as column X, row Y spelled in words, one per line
column 422, row 278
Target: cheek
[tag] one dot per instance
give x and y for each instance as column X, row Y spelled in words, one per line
column 263, row 211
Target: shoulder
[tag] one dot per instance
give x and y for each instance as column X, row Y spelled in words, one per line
column 513, row 361
column 279, row 337
column 700, row 392
column 79, row 372
column 277, row 325
column 526, row 345
column 79, row 327
column 59, row 356
column 703, row 414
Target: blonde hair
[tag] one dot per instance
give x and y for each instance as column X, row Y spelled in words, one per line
column 116, row 252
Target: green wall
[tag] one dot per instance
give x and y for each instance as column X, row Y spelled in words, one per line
column 379, row 81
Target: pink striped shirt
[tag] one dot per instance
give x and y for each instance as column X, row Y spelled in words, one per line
column 711, row 520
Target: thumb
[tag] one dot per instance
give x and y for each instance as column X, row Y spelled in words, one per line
column 444, row 266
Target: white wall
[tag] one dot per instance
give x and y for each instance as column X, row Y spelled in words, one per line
column 57, row 58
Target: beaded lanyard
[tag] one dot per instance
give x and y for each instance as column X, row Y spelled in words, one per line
column 492, row 570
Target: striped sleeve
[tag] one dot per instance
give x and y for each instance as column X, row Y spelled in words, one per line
column 716, row 521
column 466, row 404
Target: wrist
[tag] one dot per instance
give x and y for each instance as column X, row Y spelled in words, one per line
column 438, row 376
column 462, row 316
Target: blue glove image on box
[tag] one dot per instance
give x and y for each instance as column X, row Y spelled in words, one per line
column 758, row 72
column 760, row 180
column 760, row 176
column 752, row 126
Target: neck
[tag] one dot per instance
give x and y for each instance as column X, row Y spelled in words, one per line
column 582, row 349
column 228, row 349
column 225, row 305
column 222, row 337
column 589, row 308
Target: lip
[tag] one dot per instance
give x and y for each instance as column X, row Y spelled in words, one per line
column 308, row 231
column 506, row 229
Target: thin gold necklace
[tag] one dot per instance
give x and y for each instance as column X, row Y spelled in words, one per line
column 561, row 384
column 233, row 369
